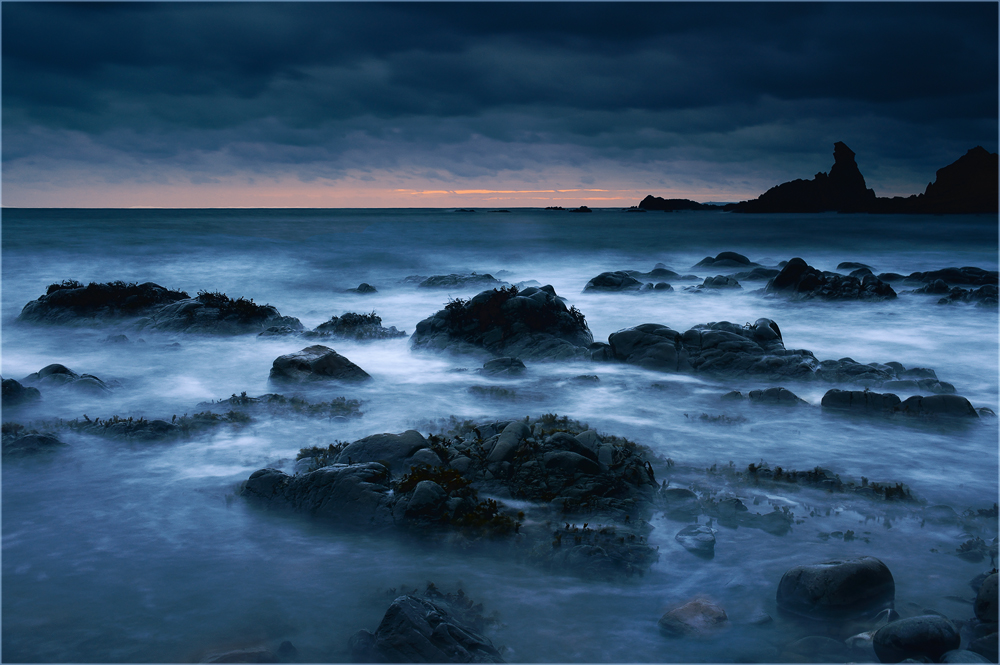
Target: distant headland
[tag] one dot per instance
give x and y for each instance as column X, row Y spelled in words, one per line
column 968, row 185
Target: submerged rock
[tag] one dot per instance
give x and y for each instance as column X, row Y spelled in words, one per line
column 315, row 363
column 614, row 281
column 860, row 400
column 837, row 589
column 929, row 636
column 697, row 618
column 697, row 539
column 60, row 376
column 504, row 367
column 725, row 260
column 800, row 281
column 422, row 630
column 21, row 442
column 15, row 394
column 363, row 288
column 530, row 324
column 777, row 395
column 986, row 600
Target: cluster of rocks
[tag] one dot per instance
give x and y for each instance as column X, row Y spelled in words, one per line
column 948, row 405
column 151, row 306
column 15, row 394
column 433, row 485
column 623, row 281
column 984, row 296
column 533, row 323
column 797, row 280
column 19, row 441
column 353, row 326
column 54, row 377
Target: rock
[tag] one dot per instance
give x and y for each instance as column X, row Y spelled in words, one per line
column 843, row 190
column 419, row 630
column 778, row 395
column 672, row 205
column 962, row 656
column 837, row 589
column 725, row 260
column 929, row 636
column 21, row 443
column 966, row 276
column 361, row 327
column 986, row 646
column 986, row 600
column 15, row 394
column 215, row 313
column 613, row 281
column 800, row 281
column 471, row 280
column 531, row 324
column 363, row 288
column 698, row 539
column 680, row 503
column 315, row 363
column 697, row 618
column 60, row 376
column 967, row 185
column 948, row 406
column 392, row 450
column 251, row 655
column 350, row 494
column 853, row 265
column 719, row 282
column 73, row 303
column 504, row 367
column 984, row 296
column 860, row 400
column 581, row 209
column 509, row 440
column 426, row 501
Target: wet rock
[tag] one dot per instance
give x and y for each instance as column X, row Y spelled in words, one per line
column 697, row 539
column 984, row 296
column 613, row 281
column 815, row 649
column 836, row 589
column 215, row 313
column 363, row 288
column 20, row 442
column 929, row 636
column 725, row 260
column 967, row 276
column 862, row 401
column 680, row 503
column 940, row 514
column 392, row 450
column 72, row 303
column 470, row 280
column 719, row 282
column 697, row 618
column 853, row 265
column 778, row 395
column 800, row 281
column 504, row 367
column 15, row 394
column 962, row 656
column 361, row 327
column 250, row 655
column 986, row 646
column 757, row 274
column 986, row 600
column 60, row 376
column 315, row 363
column 529, row 324
column 349, row 494
column 420, row 630
column 948, row 406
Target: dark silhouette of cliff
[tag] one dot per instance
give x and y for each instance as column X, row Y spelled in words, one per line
column 968, row 185
column 843, row 190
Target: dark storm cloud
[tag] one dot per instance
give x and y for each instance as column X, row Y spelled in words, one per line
column 323, row 87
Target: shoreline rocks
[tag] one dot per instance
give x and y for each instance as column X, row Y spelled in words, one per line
column 800, row 281
column 837, row 589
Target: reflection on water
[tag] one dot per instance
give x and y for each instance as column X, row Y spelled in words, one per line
column 116, row 552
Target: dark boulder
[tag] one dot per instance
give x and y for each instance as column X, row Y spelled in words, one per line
column 531, row 324
column 15, row 394
column 966, row 276
column 360, row 327
column 984, row 296
column 860, row 400
column 962, row 656
column 215, row 313
column 18, row 442
column 392, row 450
column 986, row 600
column 72, row 303
column 719, row 282
column 504, row 367
column 363, row 288
column 471, row 280
column 837, row 589
column 725, row 260
column 422, row 630
column 757, row 274
column 843, row 190
column 777, row 395
column 60, row 376
column 800, row 281
column 614, row 281
column 350, row 494
column 315, row 363
column 950, row 406
column 929, row 636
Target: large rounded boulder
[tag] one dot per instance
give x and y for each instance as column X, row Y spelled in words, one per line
column 920, row 637
column 315, row 363
column 837, row 589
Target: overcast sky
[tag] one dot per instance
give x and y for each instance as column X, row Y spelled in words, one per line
column 482, row 104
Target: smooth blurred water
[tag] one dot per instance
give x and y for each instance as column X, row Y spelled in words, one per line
column 119, row 552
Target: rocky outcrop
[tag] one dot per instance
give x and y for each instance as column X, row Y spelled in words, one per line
column 530, row 324
column 967, row 185
column 718, row 282
column 15, row 394
column 215, row 313
column 419, row 629
column 965, row 276
column 724, row 260
column 947, row 406
column 315, row 363
column 21, row 442
column 614, row 281
column 800, row 281
column 360, row 327
column 837, row 589
column 843, row 190
column 72, row 303
column 985, row 296
column 672, row 205
column 363, row 288
column 454, row 280
column 60, row 376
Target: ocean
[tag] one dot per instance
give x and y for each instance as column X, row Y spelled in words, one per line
column 143, row 552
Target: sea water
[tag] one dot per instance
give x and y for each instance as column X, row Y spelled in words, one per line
column 128, row 552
